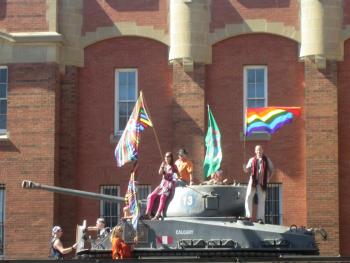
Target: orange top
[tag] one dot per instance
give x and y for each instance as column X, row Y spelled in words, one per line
column 185, row 168
column 120, row 249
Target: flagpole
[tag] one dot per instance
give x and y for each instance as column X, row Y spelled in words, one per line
column 154, row 130
column 244, row 138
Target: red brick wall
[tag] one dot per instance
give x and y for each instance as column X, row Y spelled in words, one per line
column 68, row 150
column 23, row 16
column 188, row 114
column 321, row 115
column 224, row 93
column 236, row 11
column 102, row 13
column 344, row 150
column 29, row 154
column 96, row 163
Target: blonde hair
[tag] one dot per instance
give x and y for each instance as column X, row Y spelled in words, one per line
column 117, row 232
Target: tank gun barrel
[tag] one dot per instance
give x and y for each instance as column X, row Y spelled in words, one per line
column 61, row 190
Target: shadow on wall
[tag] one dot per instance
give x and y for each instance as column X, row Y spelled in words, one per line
column 3, row 9
column 265, row 3
column 8, row 146
column 138, row 5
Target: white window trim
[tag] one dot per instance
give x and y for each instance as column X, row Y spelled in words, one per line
column 245, row 88
column 4, row 133
column 117, row 131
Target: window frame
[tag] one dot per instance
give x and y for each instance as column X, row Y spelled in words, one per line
column 245, row 90
column 269, row 191
column 146, row 188
column 4, row 132
column 102, row 202
column 117, row 130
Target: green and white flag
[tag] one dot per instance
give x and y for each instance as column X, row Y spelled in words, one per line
column 213, row 156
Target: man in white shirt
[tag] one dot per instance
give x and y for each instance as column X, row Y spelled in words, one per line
column 102, row 230
column 260, row 169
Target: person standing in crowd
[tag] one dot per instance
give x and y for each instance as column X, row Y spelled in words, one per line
column 185, row 167
column 260, row 170
column 100, row 228
column 167, row 170
column 56, row 249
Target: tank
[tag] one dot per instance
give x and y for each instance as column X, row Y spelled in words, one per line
column 199, row 221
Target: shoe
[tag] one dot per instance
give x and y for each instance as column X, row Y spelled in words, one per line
column 259, row 221
column 156, row 217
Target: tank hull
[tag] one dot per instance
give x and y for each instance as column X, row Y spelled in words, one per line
column 221, row 236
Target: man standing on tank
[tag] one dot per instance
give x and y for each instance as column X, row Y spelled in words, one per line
column 260, row 170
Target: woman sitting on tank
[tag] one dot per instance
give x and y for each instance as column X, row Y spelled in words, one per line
column 168, row 171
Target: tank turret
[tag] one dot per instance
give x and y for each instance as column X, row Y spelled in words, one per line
column 187, row 201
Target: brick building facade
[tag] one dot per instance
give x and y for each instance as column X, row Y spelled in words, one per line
column 62, row 67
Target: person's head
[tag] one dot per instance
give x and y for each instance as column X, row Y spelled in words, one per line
column 218, row 175
column 259, row 151
column 117, row 232
column 57, row 231
column 100, row 223
column 182, row 153
column 169, row 158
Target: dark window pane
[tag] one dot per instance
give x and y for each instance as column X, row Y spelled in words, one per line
column 259, row 76
column 131, row 78
column 123, row 78
column 251, row 91
column 251, row 104
column 123, row 92
column 3, row 122
column 251, row 76
column 123, row 108
column 260, row 103
column 3, row 90
column 3, row 106
column 3, row 75
column 260, row 91
column 122, row 123
column 131, row 92
column 110, row 211
column 130, row 107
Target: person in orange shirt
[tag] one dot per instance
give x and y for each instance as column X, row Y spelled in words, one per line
column 185, row 167
column 120, row 249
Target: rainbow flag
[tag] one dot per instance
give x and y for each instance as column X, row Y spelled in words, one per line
column 269, row 119
column 127, row 147
column 131, row 196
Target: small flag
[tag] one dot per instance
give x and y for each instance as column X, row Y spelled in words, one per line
column 213, row 156
column 269, row 119
column 131, row 196
column 127, row 147
column 165, row 240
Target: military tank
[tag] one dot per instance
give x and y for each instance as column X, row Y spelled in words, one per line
column 199, row 221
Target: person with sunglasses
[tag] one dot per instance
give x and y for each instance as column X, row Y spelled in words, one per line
column 168, row 171
column 56, row 249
